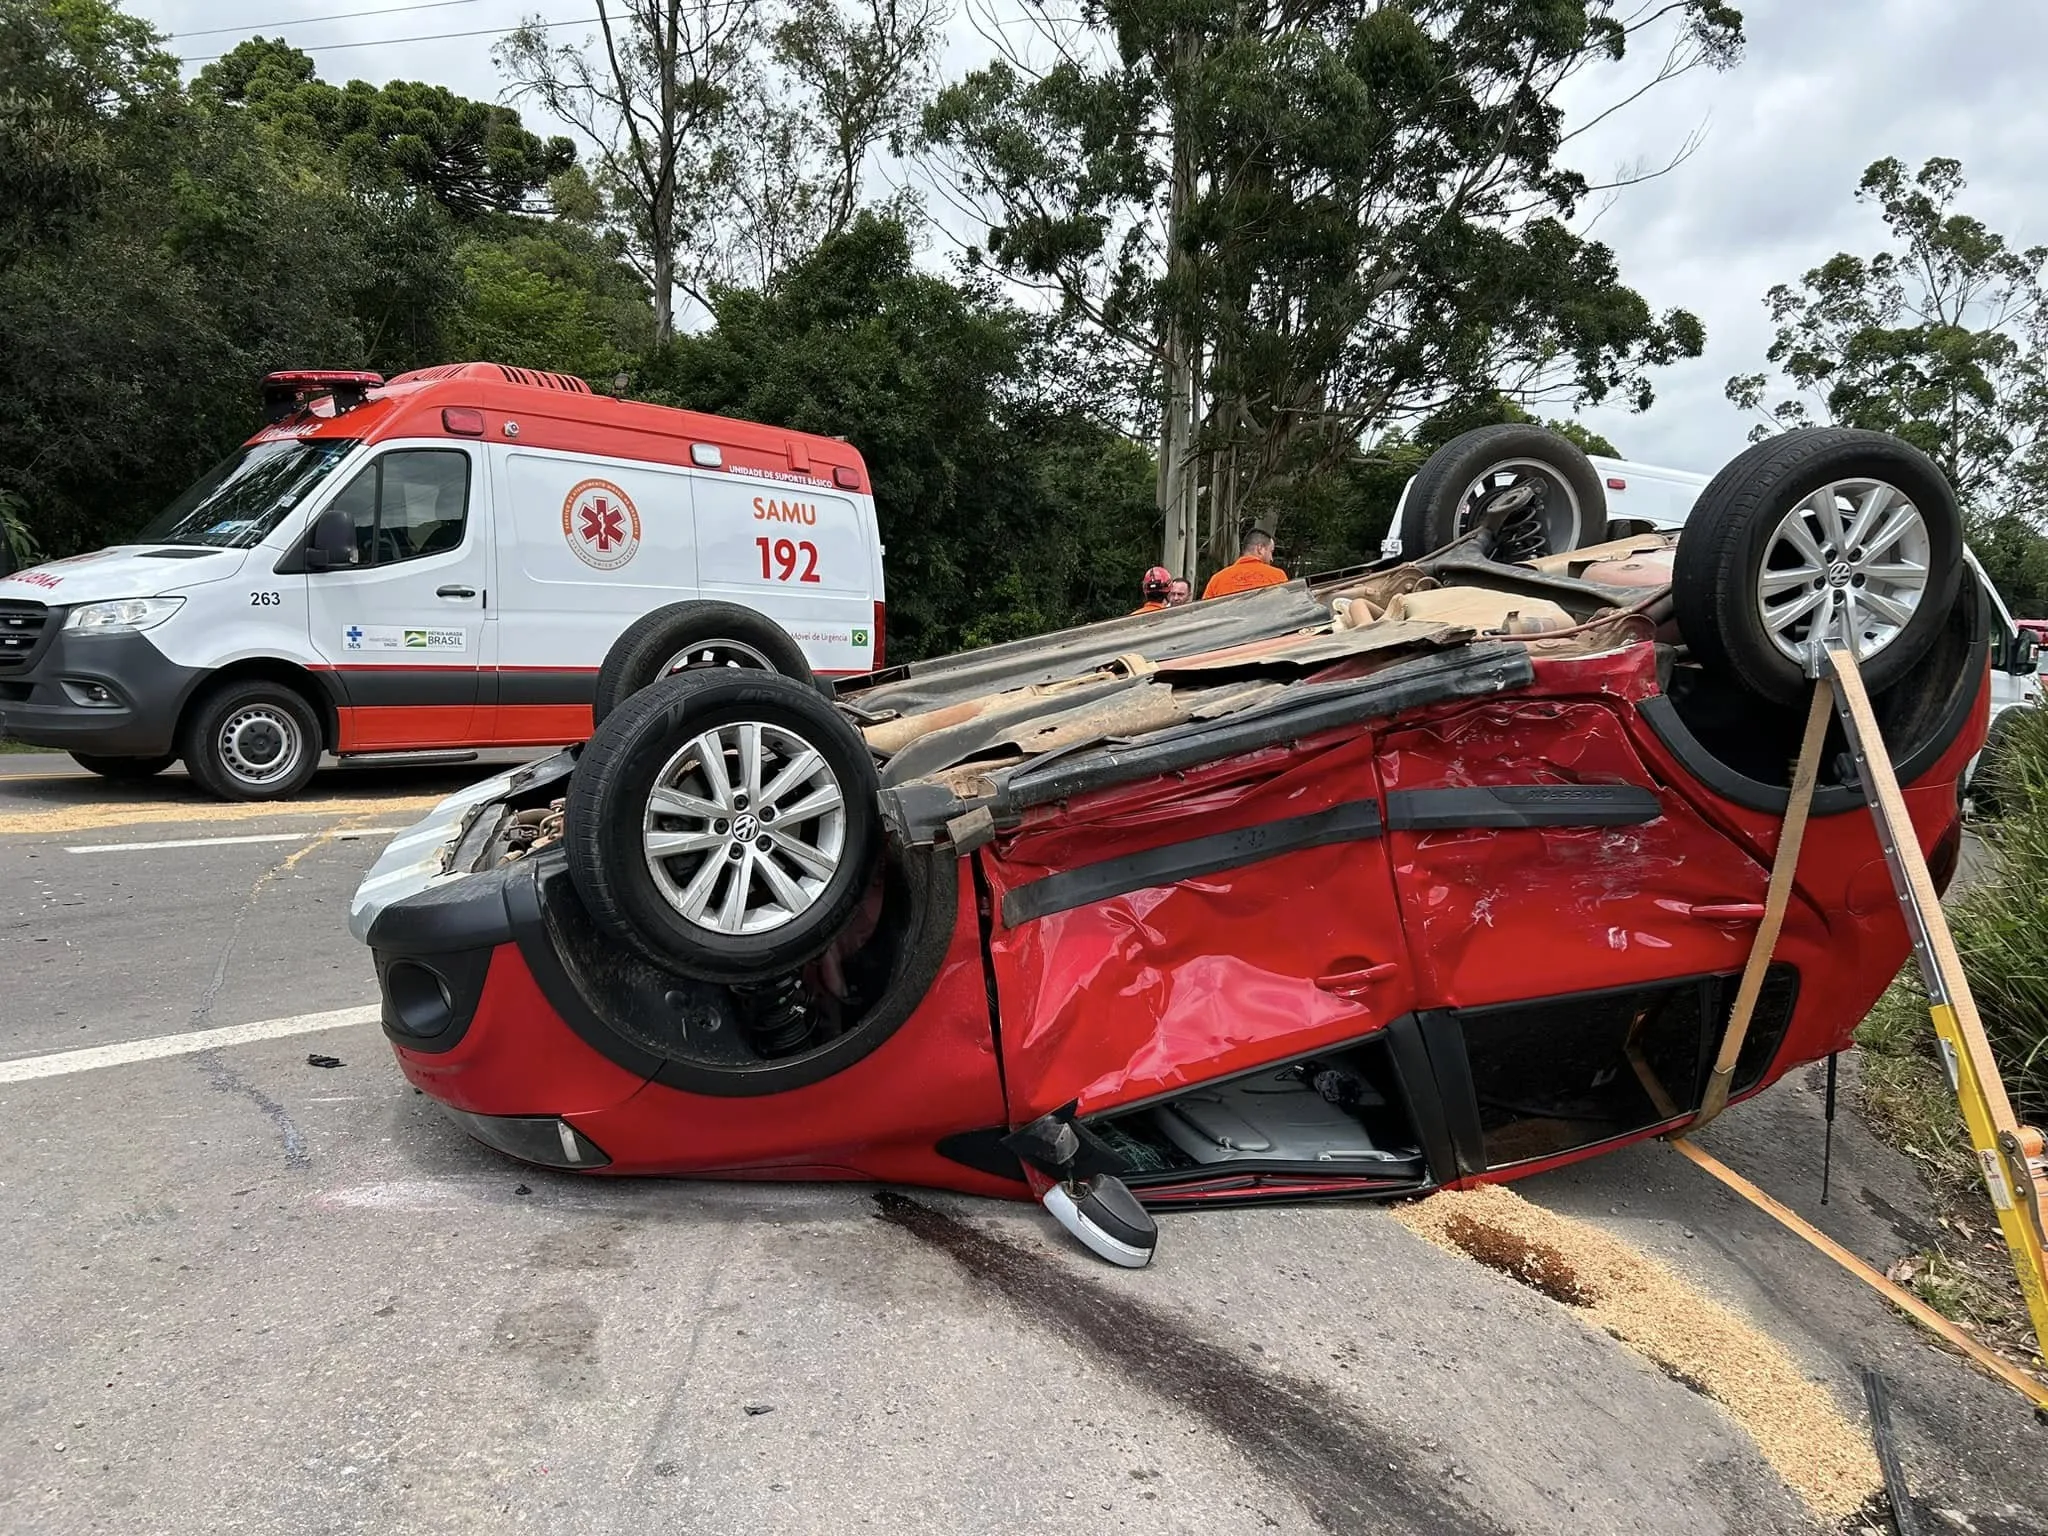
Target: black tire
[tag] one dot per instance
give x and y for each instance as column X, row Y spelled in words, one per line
column 643, row 741
column 725, row 634
column 251, row 740
column 1442, row 501
column 123, row 770
column 1733, row 545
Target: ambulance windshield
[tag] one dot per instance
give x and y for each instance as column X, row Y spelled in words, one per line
column 237, row 502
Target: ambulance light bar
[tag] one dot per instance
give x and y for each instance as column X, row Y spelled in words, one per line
column 286, row 392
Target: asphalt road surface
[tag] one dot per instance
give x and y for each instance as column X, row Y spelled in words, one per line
column 246, row 1293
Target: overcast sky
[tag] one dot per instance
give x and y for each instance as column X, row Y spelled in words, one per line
column 1826, row 87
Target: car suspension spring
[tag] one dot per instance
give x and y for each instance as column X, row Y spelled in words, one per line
column 777, row 1015
column 1523, row 536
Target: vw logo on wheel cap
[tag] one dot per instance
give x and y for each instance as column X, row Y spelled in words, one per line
column 744, row 827
column 1838, row 573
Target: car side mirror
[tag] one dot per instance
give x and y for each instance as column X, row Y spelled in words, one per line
column 2026, row 655
column 332, row 542
column 1076, row 1187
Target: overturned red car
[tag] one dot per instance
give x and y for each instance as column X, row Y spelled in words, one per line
column 1412, row 875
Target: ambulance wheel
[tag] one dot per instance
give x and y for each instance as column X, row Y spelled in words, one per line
column 1560, row 503
column 722, row 824
column 684, row 637
column 1807, row 537
column 123, row 770
column 251, row 740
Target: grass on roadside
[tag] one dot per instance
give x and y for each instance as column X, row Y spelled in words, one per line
column 2001, row 931
column 18, row 746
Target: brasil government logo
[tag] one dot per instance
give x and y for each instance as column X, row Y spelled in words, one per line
column 601, row 525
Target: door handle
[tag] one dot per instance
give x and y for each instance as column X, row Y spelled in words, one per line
column 1726, row 911
column 456, row 592
column 1356, row 983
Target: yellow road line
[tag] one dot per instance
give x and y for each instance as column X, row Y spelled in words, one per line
column 58, row 819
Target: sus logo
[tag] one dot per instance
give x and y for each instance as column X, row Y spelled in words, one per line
column 600, row 524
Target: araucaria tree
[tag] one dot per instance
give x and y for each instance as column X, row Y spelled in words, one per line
column 1301, row 225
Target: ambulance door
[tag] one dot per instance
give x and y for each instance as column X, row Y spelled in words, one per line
column 585, row 546
column 403, row 627
column 797, row 551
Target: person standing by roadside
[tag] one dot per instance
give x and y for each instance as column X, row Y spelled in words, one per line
column 1178, row 593
column 1158, row 581
column 1253, row 568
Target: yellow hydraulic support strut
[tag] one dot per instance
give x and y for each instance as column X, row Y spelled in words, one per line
column 2015, row 1171
column 2010, row 1154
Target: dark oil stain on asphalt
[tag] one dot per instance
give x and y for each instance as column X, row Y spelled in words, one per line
column 224, row 1079
column 1350, row 1474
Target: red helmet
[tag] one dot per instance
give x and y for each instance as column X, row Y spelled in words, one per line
column 1157, row 580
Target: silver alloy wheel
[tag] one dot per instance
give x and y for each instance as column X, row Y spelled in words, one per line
column 1563, row 521
column 716, row 653
column 744, row 828
column 1851, row 559
column 261, row 744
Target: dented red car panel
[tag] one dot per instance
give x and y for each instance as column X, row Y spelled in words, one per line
column 1439, row 897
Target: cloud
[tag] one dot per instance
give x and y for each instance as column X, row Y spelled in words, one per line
column 1826, row 87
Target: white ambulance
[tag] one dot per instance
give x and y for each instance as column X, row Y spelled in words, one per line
column 440, row 561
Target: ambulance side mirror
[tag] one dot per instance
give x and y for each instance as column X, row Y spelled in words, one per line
column 333, row 541
column 2026, row 655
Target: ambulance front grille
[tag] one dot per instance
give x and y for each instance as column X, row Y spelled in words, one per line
column 21, row 631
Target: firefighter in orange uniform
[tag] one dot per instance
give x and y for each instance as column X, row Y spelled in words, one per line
column 1157, row 581
column 1253, row 568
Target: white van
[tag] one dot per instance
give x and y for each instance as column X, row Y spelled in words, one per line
column 440, row 561
column 1640, row 497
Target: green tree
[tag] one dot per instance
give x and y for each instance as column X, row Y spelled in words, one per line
column 529, row 301
column 659, row 95
column 1004, row 512
column 72, row 76
column 1312, row 224
column 472, row 157
column 1942, row 339
column 179, row 244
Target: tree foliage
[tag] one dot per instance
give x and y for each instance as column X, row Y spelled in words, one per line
column 1297, row 248
column 186, row 241
column 1941, row 339
column 472, row 157
column 732, row 138
column 1313, row 224
column 1002, row 515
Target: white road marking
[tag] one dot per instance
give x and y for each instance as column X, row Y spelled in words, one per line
column 347, row 834
column 25, row 1068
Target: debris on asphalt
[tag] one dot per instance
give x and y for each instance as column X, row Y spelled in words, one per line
column 1688, row 1335
column 317, row 1060
column 755, row 1410
column 1905, row 1519
column 522, row 1190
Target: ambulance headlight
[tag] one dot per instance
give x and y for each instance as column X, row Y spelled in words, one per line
column 124, row 617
